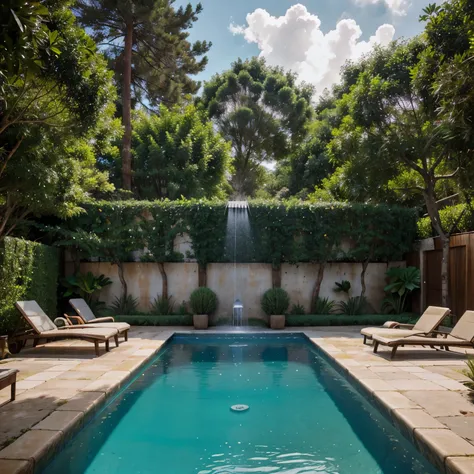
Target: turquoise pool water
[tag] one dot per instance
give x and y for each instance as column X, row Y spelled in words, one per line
column 175, row 418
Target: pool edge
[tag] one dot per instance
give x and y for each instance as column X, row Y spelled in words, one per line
column 424, row 440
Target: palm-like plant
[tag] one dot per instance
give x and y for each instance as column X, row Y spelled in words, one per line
column 84, row 285
column 402, row 282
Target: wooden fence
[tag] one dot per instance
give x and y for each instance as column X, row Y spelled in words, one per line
column 461, row 273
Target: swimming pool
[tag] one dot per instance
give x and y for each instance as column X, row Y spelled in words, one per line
column 176, row 417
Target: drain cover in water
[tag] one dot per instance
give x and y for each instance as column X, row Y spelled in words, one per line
column 239, row 407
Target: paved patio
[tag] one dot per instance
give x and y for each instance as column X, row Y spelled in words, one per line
column 62, row 383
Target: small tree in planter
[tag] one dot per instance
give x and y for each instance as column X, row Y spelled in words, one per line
column 275, row 303
column 203, row 302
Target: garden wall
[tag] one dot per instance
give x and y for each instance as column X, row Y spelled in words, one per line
column 246, row 281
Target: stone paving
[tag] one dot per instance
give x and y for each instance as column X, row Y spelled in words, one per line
column 61, row 384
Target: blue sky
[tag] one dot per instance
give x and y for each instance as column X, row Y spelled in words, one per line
column 312, row 37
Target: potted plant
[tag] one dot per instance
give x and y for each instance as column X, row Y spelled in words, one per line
column 203, row 302
column 275, row 303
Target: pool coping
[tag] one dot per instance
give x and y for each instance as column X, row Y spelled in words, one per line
column 438, row 444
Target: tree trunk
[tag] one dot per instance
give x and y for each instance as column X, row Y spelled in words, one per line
column 122, row 280
column 433, row 212
column 276, row 276
column 365, row 264
column 164, row 280
column 127, row 109
column 202, row 275
column 317, row 284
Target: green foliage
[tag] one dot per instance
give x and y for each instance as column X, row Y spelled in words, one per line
column 354, row 306
column 275, row 301
column 344, row 287
column 297, row 309
column 162, row 305
column 56, row 111
column 457, row 218
column 469, row 372
column 84, row 285
column 287, row 231
column 176, row 154
column 28, row 271
column 402, row 282
column 323, row 305
column 262, row 111
column 156, row 320
column 344, row 320
column 203, row 301
column 125, row 304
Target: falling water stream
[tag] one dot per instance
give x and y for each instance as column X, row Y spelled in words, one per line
column 238, row 250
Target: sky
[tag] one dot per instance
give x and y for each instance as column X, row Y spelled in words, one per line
column 312, row 37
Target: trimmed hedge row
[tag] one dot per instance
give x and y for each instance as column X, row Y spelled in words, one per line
column 293, row 320
column 156, row 320
column 28, row 271
column 288, row 231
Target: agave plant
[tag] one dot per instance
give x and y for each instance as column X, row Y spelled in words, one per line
column 297, row 309
column 162, row 305
column 124, row 305
column 323, row 306
column 354, row 306
column 344, row 286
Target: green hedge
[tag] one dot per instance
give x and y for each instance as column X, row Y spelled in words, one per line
column 289, row 231
column 344, row 320
column 154, row 320
column 28, row 271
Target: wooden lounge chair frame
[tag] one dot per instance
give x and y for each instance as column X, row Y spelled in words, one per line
column 391, row 327
column 455, row 338
column 36, row 335
column 83, row 310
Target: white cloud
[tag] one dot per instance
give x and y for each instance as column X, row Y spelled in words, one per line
column 295, row 41
column 397, row 7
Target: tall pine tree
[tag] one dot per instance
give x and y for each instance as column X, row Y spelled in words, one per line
column 146, row 42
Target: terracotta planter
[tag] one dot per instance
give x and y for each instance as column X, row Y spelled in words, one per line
column 201, row 321
column 277, row 321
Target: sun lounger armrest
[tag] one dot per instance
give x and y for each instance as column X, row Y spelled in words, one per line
column 397, row 325
column 71, row 318
column 106, row 319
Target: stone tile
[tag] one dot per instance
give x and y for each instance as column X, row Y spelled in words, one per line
column 461, row 425
column 452, row 385
column 437, row 445
column 130, row 365
column 81, row 375
column 27, row 384
column 413, row 385
column 61, row 420
column 114, row 375
column 63, row 384
column 104, row 385
column 10, row 466
column 42, row 376
column 387, row 369
column 376, row 385
column 416, row 418
column 433, row 377
column 33, row 445
column 363, row 373
column 461, row 465
column 414, row 369
column 82, row 402
column 397, row 376
column 440, row 403
column 452, row 372
column 144, row 352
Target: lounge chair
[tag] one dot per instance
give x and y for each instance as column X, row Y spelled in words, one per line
column 462, row 335
column 85, row 316
column 44, row 328
column 428, row 322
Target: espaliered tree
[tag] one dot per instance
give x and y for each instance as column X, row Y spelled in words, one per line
column 146, row 42
column 261, row 111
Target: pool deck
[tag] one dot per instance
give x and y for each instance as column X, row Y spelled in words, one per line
column 60, row 385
